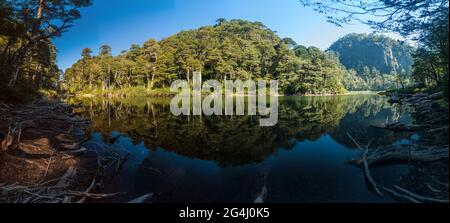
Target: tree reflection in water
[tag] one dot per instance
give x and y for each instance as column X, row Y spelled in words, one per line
column 237, row 140
column 231, row 158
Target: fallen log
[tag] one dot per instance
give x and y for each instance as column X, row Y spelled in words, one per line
column 404, row 153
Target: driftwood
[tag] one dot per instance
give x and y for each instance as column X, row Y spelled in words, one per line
column 141, row 199
column 422, row 198
column 60, row 190
column 13, row 135
column 261, row 197
column 398, row 192
column 366, row 165
column 399, row 195
column 404, row 153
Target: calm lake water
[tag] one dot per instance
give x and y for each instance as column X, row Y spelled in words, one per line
column 231, row 158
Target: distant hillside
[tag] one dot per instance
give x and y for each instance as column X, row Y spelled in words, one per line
column 376, row 52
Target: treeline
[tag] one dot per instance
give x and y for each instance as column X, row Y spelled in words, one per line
column 27, row 55
column 234, row 49
column 239, row 49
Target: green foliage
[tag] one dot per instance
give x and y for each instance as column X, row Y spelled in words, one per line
column 235, row 49
column 317, row 73
column 27, row 55
column 431, row 60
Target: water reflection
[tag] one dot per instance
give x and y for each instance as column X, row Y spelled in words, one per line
column 230, row 158
column 237, row 140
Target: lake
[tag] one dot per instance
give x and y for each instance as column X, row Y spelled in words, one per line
column 303, row 158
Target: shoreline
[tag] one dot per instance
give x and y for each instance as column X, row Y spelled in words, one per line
column 157, row 93
column 45, row 140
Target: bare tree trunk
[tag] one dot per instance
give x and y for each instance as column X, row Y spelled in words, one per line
column 15, row 75
column 108, row 75
column 189, row 82
column 153, row 78
column 148, row 80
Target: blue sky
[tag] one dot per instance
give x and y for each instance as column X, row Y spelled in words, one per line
column 119, row 23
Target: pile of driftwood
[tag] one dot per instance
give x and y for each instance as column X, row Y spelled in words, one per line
column 430, row 122
column 43, row 157
column 429, row 116
column 64, row 189
column 52, row 191
column 398, row 192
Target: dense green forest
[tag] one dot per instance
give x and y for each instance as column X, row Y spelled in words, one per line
column 240, row 49
column 234, row 49
column 380, row 62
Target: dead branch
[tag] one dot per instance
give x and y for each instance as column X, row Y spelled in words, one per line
column 141, row 199
column 366, row 165
column 396, row 194
column 422, row 198
column 404, row 153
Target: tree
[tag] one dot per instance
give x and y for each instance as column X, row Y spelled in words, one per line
column 35, row 22
column 289, row 42
column 150, row 51
column 86, row 53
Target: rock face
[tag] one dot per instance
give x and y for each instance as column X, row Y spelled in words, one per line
column 386, row 55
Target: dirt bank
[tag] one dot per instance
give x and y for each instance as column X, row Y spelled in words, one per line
column 42, row 158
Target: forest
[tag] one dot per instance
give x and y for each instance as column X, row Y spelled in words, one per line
column 97, row 132
column 234, row 49
column 239, row 49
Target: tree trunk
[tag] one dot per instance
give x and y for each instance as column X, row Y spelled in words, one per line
column 40, row 9
column 188, row 80
column 108, row 75
column 15, row 75
column 153, row 78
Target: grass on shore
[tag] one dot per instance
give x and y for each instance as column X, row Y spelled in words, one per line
column 126, row 92
column 161, row 92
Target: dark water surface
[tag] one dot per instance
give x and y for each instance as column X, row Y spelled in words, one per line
column 231, row 158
